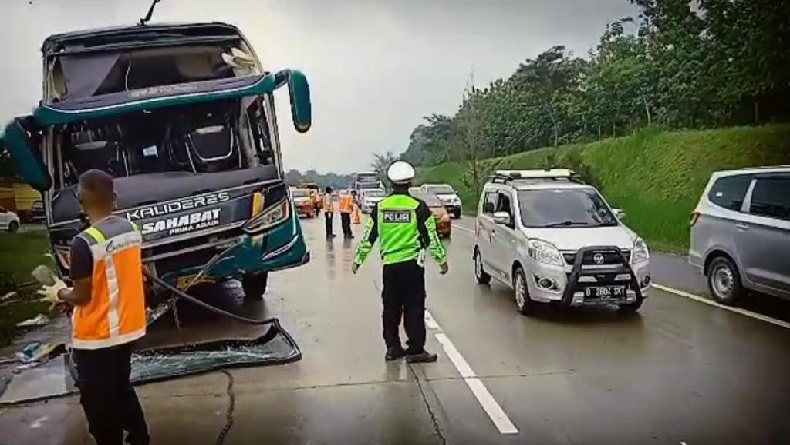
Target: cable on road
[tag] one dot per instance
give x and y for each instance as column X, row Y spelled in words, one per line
column 181, row 294
column 230, row 412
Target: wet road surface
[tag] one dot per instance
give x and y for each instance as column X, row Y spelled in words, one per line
column 679, row 372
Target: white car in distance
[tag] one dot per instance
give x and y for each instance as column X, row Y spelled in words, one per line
column 448, row 196
column 371, row 197
column 9, row 221
column 553, row 239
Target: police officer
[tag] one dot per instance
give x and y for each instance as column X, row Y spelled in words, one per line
column 109, row 314
column 329, row 212
column 404, row 228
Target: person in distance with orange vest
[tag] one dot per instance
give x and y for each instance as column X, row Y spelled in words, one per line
column 345, row 204
column 109, row 314
column 329, row 212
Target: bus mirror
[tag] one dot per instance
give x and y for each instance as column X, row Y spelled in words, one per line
column 24, row 159
column 301, row 108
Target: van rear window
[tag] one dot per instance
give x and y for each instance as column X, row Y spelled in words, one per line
column 728, row 192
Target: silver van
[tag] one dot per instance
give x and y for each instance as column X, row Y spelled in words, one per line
column 740, row 233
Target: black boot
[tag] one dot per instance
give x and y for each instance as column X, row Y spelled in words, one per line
column 421, row 357
column 394, row 354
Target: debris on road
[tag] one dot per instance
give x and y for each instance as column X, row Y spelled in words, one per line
column 36, row 351
column 38, row 320
column 47, row 370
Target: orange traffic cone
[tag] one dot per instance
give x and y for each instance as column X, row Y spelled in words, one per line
column 355, row 217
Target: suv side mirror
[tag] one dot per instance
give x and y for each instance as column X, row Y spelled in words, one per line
column 502, row 218
column 619, row 214
column 488, row 207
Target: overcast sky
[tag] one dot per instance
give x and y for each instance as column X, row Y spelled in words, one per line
column 375, row 67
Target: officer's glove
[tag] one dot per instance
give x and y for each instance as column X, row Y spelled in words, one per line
column 354, row 268
column 443, row 268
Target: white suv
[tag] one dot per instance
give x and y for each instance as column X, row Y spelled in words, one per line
column 448, row 196
column 555, row 240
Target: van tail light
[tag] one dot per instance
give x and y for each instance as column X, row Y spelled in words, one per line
column 694, row 218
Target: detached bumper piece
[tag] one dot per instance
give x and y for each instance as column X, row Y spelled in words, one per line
column 602, row 275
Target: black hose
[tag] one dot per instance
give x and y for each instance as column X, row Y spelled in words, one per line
column 204, row 305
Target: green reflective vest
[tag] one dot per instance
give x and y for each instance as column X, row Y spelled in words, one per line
column 404, row 227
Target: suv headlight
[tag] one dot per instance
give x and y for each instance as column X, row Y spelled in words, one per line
column 545, row 252
column 640, row 253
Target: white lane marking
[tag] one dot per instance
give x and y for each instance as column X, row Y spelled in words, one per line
column 736, row 310
column 430, row 323
column 484, row 398
column 697, row 298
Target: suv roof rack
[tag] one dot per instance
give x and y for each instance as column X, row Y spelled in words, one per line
column 548, row 174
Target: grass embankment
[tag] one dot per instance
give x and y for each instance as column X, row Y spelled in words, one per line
column 657, row 178
column 19, row 254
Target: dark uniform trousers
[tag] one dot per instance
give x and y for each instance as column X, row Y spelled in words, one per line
column 403, row 295
column 329, row 229
column 345, row 221
column 108, row 397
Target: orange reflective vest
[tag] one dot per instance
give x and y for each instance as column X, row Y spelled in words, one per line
column 329, row 206
column 345, row 204
column 115, row 314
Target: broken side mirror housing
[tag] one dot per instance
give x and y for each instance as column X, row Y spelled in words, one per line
column 24, row 158
column 299, row 93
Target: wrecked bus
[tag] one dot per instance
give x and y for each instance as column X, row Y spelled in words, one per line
column 183, row 117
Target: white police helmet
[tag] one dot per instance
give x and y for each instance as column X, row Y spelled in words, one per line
column 400, row 172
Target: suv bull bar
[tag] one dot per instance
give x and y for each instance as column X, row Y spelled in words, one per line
column 604, row 274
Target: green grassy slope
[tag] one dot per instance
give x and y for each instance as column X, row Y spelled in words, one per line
column 657, row 178
column 19, row 254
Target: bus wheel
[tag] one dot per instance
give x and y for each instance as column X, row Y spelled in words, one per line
column 254, row 286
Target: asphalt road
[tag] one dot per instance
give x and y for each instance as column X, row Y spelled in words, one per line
column 680, row 372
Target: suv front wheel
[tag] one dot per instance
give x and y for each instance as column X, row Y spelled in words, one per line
column 525, row 305
column 724, row 281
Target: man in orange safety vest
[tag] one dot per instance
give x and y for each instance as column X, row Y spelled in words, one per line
column 345, row 204
column 109, row 313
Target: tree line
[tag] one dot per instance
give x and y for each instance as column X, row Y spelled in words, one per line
column 336, row 181
column 679, row 64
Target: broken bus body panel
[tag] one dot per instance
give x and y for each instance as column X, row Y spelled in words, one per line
column 183, row 117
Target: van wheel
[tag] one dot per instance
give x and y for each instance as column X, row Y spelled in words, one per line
column 255, row 286
column 525, row 305
column 724, row 281
column 480, row 274
column 13, row 226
